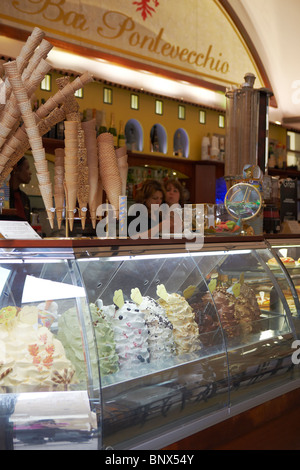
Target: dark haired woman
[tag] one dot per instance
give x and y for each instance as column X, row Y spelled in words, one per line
column 19, row 200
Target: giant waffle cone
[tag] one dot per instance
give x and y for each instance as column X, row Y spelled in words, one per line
column 92, row 161
column 46, row 192
column 59, row 195
column 30, row 122
column 122, row 161
column 25, row 54
column 61, row 96
column 71, row 197
column 109, row 172
column 59, row 199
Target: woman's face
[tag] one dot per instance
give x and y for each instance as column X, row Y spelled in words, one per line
column 24, row 172
column 172, row 195
column 156, row 198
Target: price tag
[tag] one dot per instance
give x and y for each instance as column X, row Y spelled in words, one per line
column 118, row 298
column 161, row 292
column 236, row 289
column 136, row 296
column 189, row 291
column 212, row 285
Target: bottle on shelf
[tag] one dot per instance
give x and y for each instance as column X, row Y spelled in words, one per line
column 205, row 148
column 131, row 143
column 154, row 141
column 271, row 159
column 103, row 125
column 113, row 130
column 178, row 145
column 222, row 149
column 121, row 136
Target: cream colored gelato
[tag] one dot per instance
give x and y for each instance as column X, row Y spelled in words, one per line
column 35, row 359
column 160, row 330
column 182, row 317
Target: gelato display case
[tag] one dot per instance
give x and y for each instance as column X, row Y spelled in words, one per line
column 109, row 344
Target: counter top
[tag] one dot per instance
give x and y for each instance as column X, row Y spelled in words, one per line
column 98, row 242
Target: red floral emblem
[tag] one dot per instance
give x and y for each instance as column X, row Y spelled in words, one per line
column 145, row 8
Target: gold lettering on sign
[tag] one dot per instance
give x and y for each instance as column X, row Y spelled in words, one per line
column 117, row 25
column 52, row 10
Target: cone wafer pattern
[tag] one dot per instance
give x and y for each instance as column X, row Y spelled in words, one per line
column 122, row 161
column 75, row 134
column 71, row 171
column 59, row 192
column 29, row 121
column 89, row 128
column 109, row 172
column 22, row 77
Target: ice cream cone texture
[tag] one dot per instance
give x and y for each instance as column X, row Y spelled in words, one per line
column 109, row 172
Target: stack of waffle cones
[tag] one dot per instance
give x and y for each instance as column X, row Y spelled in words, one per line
column 34, row 137
column 109, row 171
column 71, row 170
column 59, row 192
column 122, row 161
column 21, row 78
column 71, row 109
column 95, row 184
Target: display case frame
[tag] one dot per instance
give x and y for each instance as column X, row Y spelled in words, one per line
column 273, row 374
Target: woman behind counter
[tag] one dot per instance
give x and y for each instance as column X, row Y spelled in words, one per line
column 174, row 192
column 19, row 200
column 151, row 193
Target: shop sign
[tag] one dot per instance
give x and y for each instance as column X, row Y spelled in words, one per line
column 194, row 37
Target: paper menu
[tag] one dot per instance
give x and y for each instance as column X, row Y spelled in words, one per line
column 17, row 230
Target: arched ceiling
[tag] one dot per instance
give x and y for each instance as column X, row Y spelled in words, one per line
column 273, row 26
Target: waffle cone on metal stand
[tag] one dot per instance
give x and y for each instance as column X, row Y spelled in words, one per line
column 71, row 109
column 89, row 129
column 27, row 51
column 122, row 161
column 71, row 170
column 109, row 172
column 59, row 192
column 30, row 122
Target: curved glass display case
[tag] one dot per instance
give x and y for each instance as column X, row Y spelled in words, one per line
column 135, row 346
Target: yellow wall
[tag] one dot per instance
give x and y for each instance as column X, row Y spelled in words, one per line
column 279, row 133
column 93, row 98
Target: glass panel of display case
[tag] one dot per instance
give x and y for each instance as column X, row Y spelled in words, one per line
column 253, row 300
column 287, row 253
column 44, row 400
column 168, row 370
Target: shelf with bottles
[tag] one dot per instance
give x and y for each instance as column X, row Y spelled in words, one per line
column 213, row 148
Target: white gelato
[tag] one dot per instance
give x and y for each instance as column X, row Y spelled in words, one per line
column 131, row 335
column 160, row 330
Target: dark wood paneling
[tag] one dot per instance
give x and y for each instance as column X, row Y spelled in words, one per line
column 274, row 425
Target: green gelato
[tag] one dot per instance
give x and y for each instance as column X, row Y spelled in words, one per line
column 69, row 333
